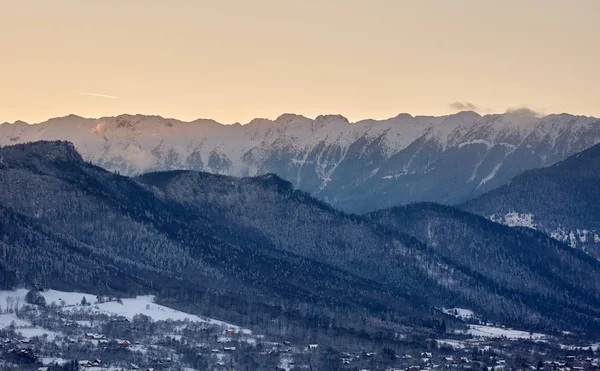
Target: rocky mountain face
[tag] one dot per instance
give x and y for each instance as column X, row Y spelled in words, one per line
column 560, row 200
column 356, row 167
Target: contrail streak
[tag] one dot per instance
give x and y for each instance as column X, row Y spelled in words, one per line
column 97, row 95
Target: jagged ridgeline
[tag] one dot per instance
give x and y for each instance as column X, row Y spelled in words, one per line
column 357, row 167
column 254, row 247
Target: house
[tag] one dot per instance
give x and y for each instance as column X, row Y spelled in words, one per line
column 230, row 331
column 125, row 343
column 313, row 346
column 426, row 355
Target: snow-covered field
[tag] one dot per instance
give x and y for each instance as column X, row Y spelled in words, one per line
column 460, row 313
column 498, row 332
column 25, row 328
column 128, row 307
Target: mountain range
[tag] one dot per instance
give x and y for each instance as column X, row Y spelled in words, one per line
column 255, row 249
column 357, row 167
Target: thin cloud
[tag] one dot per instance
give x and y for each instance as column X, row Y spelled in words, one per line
column 463, row 106
column 524, row 111
column 97, row 95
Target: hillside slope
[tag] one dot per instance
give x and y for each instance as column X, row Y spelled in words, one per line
column 560, row 200
column 486, row 270
column 70, row 225
column 526, row 266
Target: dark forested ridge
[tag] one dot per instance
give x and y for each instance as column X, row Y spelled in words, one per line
column 475, row 263
column 562, row 200
column 254, row 249
column 529, row 272
column 70, row 225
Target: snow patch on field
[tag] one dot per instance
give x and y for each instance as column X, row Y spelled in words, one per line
column 9, row 318
column 69, row 298
column 35, row 331
column 128, row 307
column 23, row 327
column 459, row 313
column 498, row 332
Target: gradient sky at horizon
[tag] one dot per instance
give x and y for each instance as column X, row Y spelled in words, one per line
column 236, row 60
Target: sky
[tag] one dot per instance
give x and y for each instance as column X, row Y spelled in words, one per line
column 236, row 60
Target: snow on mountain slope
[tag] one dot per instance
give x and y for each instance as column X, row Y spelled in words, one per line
column 358, row 166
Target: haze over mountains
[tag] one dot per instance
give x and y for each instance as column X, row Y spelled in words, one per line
column 357, row 167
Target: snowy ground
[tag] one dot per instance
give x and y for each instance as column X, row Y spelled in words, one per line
column 129, row 307
column 593, row 347
column 25, row 328
column 460, row 313
column 498, row 332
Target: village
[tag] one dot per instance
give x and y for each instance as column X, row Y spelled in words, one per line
column 76, row 331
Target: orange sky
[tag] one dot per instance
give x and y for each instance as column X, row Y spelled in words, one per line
column 236, row 60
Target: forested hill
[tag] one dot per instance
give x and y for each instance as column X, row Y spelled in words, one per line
column 560, row 200
column 247, row 248
column 503, row 273
column 528, row 270
column 70, row 225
